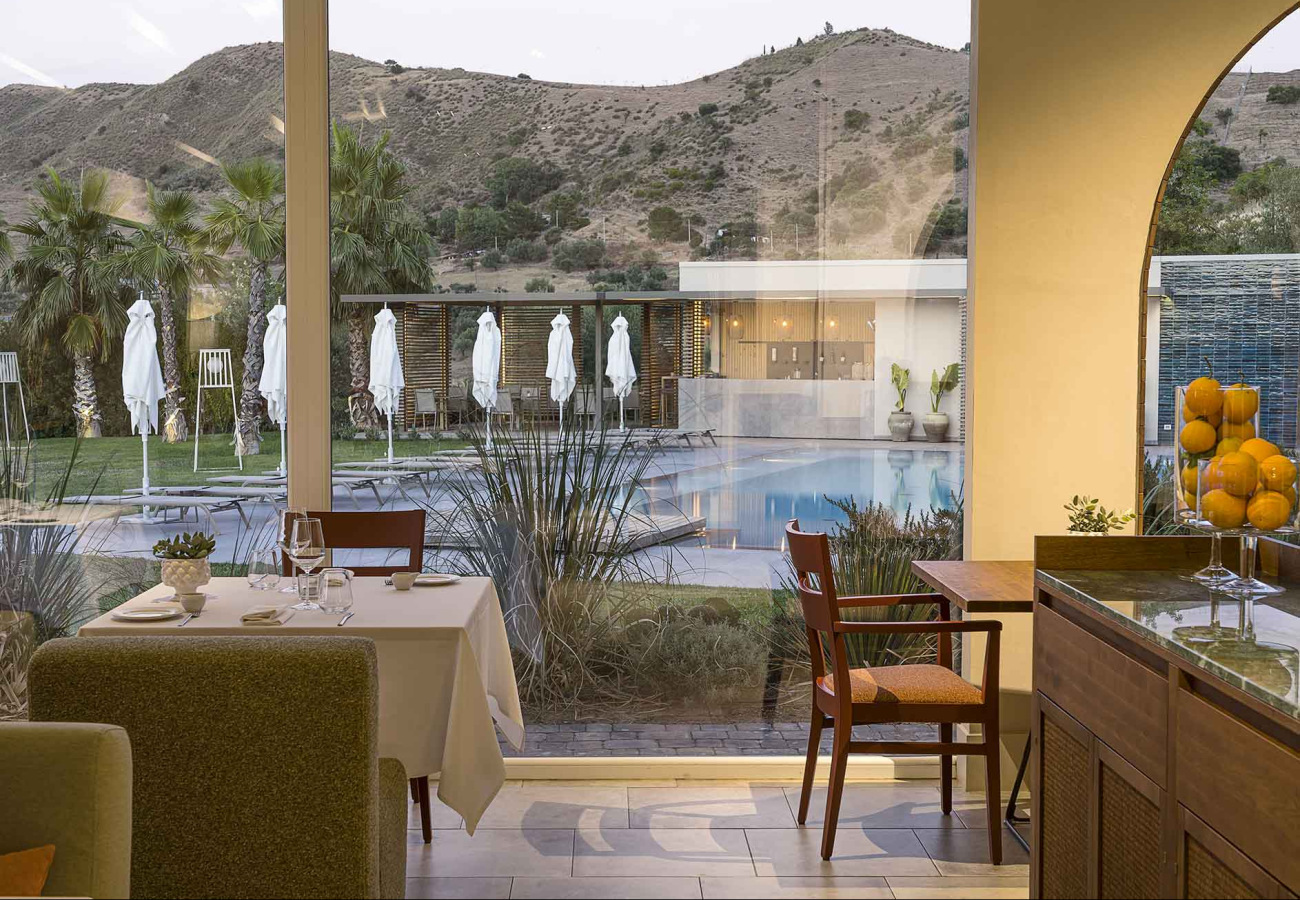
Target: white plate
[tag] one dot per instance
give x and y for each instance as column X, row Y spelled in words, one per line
column 145, row 614
column 434, row 579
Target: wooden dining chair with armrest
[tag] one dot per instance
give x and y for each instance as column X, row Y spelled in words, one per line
column 391, row 529
column 878, row 694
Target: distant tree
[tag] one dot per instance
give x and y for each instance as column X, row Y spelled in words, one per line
column 1222, row 163
column 519, row 220
column 1261, row 134
column 524, row 76
column 1223, row 115
column 518, row 178
column 1285, row 94
column 442, row 224
column 539, row 285
column 521, row 251
column 477, row 227
column 798, row 42
column 493, row 259
column 958, row 159
column 856, row 119
column 585, row 253
column 828, row 29
column 394, row 67
column 708, row 109
column 666, row 224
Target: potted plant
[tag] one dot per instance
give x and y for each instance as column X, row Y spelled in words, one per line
column 934, row 422
column 1088, row 516
column 900, row 420
column 185, row 566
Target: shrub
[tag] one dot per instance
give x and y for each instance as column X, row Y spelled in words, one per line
column 587, row 253
column 493, row 260
column 666, row 224
column 856, row 119
column 625, row 148
column 521, row 251
column 477, row 226
column 658, row 149
column 708, row 109
column 518, row 178
column 553, row 236
column 1200, row 128
column 539, row 285
column 524, row 76
column 1286, row 94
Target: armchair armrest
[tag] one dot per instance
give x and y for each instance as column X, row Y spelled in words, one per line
column 937, row 627
column 889, row 600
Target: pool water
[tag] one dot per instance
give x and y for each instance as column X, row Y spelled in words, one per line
column 746, row 502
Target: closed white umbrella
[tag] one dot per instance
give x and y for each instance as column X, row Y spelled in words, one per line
column 487, row 365
column 386, row 381
column 621, row 371
column 559, row 363
column 274, row 386
column 142, row 382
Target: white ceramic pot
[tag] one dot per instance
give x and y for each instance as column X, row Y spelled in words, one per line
column 936, row 427
column 900, row 426
column 186, row 576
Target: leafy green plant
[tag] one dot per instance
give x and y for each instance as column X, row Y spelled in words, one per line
column 1158, row 496
column 942, row 384
column 1087, row 515
column 900, row 378
column 186, row 546
column 1285, row 94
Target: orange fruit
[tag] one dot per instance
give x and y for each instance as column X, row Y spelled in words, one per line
column 1190, row 500
column 1190, row 475
column 1238, row 474
column 1242, row 431
column 1277, row 473
column 1269, row 510
column 1228, row 445
column 1240, row 403
column 1258, row 448
column 1197, row 436
column 1223, row 510
column 1204, row 396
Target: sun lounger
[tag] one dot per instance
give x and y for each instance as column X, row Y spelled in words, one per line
column 165, row 502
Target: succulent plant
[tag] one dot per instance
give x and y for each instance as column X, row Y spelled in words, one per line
column 188, row 546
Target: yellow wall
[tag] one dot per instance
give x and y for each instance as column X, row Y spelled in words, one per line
column 1077, row 108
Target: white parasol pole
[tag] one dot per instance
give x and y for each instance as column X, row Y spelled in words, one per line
column 283, row 468
column 390, row 437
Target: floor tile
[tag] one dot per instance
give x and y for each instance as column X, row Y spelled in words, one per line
column 966, row 852
column 614, row 888
column 556, row 806
column 795, row 888
column 454, row 854
column 651, row 852
column 440, row 815
column 858, row 852
column 739, row 806
column 457, row 888
column 958, row 887
column 879, row 806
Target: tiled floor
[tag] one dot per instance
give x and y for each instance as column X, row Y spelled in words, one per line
column 711, row 839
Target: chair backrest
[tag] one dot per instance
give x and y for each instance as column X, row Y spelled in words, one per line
column 251, row 755
column 530, row 394
column 388, row 529
column 632, row 401
column 69, row 785
column 458, row 390
column 426, row 400
column 810, row 554
column 505, row 403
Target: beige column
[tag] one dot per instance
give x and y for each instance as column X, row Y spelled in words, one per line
column 1076, row 112
column 306, row 139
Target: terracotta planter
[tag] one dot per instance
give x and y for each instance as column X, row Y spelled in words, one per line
column 900, row 426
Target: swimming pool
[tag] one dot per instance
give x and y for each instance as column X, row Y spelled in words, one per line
column 746, row 501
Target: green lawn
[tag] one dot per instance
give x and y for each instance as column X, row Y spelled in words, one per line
column 110, row 465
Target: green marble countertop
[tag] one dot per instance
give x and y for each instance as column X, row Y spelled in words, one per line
column 1252, row 645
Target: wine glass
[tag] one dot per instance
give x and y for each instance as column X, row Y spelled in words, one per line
column 306, row 547
column 264, row 569
column 288, row 515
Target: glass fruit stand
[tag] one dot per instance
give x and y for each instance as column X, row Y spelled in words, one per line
column 1231, row 480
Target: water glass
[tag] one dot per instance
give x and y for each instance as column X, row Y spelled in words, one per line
column 306, row 547
column 336, row 590
column 264, row 569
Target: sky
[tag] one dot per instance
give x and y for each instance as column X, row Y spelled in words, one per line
column 587, row 41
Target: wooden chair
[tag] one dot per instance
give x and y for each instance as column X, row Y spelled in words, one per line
column 908, row 693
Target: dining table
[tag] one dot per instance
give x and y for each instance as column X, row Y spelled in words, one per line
column 446, row 678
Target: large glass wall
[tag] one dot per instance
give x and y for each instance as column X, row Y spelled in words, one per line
column 142, row 202
column 777, row 228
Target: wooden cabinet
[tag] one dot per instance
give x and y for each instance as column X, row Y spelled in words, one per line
column 1209, row 866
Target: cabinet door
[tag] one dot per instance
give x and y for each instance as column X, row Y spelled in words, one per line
column 1210, row 867
column 1062, row 804
column 1131, row 861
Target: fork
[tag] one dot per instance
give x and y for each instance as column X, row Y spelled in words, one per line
column 186, row 619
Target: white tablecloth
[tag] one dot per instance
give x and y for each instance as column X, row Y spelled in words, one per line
column 445, row 673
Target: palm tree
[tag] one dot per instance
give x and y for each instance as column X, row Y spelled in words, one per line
column 73, row 293
column 377, row 246
column 166, row 256
column 6, row 245
column 251, row 217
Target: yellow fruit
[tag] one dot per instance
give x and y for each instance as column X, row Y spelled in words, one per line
column 1197, row 436
column 1277, row 473
column 1240, row 403
column 1269, row 510
column 1190, row 500
column 1243, row 431
column 1258, row 448
column 1228, row 445
column 1223, row 510
column 1289, row 494
column 1212, row 477
column 1189, row 480
column 1204, row 396
column 1239, row 474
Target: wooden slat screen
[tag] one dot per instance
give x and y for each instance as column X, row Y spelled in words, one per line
column 422, row 333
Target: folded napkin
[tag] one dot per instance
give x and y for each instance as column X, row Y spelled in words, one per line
column 266, row 615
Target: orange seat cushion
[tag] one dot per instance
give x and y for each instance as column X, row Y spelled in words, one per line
column 907, row 684
column 23, row 874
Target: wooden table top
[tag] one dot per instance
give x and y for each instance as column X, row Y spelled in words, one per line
column 981, row 586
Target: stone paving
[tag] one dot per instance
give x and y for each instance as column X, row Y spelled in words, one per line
column 739, row 739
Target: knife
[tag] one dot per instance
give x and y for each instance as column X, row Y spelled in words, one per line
column 184, row 620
